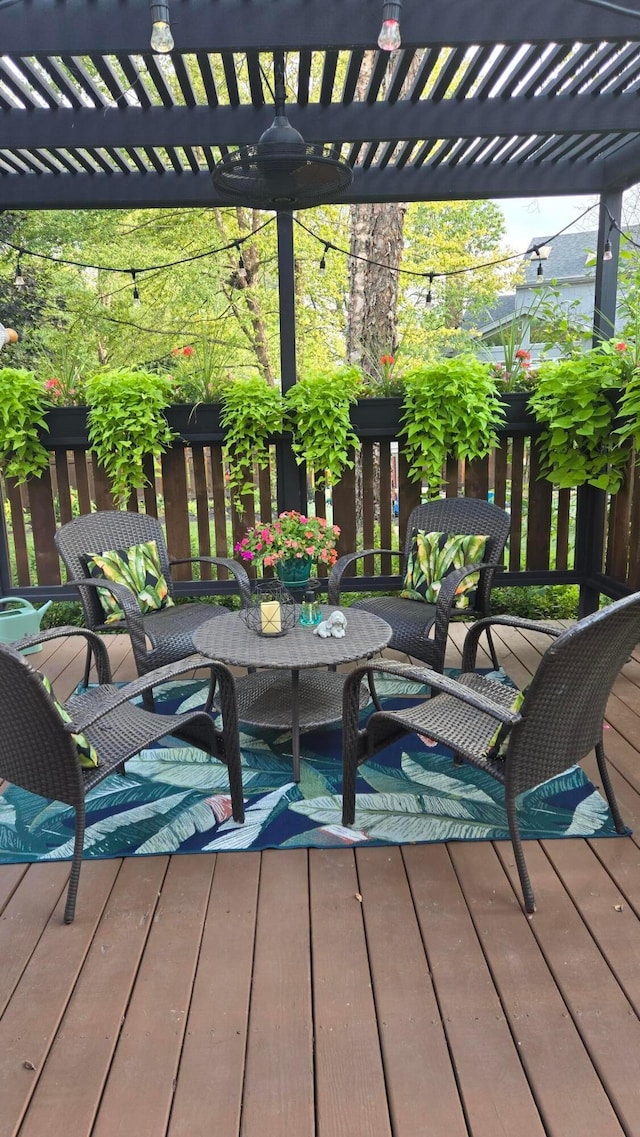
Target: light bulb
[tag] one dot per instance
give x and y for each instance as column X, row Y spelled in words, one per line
column 161, row 38
column 19, row 279
column 389, row 38
column 607, row 254
column 540, row 272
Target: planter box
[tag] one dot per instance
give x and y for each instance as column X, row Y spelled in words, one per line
column 66, row 426
column 518, row 418
column 199, row 423
column 378, row 417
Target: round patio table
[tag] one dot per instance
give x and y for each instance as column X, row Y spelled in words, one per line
column 296, row 689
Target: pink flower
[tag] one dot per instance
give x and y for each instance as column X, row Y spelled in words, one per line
column 522, row 354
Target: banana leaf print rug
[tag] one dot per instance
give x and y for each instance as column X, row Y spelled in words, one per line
column 174, row 799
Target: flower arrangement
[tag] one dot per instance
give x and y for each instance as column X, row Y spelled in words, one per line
column 292, row 535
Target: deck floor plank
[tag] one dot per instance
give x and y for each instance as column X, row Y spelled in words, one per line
column 139, row 1089
column 279, row 1087
column 211, row 1074
column 91, row 1025
column 260, row 996
column 570, row 1096
column 417, row 1064
column 31, row 1020
column 606, row 1021
column 351, row 1096
column 495, row 1093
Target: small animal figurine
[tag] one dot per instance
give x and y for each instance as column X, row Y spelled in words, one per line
column 335, row 625
column 7, row 335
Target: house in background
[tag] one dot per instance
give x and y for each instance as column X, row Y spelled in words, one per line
column 568, row 265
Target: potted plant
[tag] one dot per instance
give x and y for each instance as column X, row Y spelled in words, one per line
column 451, row 407
column 251, row 414
column 578, row 401
column 199, row 381
column 23, row 402
column 290, row 545
column 126, row 424
column 318, row 408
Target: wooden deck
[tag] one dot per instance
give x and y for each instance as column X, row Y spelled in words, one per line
column 344, row 993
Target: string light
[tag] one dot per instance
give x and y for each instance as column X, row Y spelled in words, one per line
column 136, row 294
column 389, row 37
column 161, row 38
column 428, row 300
column 19, row 279
column 323, row 259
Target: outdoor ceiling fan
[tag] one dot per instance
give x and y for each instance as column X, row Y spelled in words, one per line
column 281, row 171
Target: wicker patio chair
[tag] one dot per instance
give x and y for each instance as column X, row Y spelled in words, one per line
column 420, row 629
column 168, row 631
column 558, row 724
column 38, row 754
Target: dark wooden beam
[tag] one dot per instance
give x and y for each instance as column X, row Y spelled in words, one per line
column 74, row 27
column 131, row 191
column 357, row 122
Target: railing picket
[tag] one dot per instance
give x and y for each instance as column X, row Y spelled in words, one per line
column 538, row 515
column 64, row 486
column 176, row 513
column 517, row 490
column 43, row 525
column 202, row 508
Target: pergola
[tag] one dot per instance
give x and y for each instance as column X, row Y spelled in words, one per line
column 505, row 100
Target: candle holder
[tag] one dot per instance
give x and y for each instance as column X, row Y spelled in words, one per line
column 272, row 610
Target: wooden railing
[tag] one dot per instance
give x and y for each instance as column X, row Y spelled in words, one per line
column 188, row 489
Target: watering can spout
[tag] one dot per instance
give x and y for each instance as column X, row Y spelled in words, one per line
column 44, row 608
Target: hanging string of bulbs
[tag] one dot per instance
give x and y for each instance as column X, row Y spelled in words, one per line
column 134, row 273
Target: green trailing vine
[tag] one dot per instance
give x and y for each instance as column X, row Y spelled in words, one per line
column 23, row 402
column 451, row 407
column 251, row 413
column 127, row 424
column 318, row 415
column 575, row 400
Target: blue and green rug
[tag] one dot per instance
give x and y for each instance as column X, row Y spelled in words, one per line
column 174, row 799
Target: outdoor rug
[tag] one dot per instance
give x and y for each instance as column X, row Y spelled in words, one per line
column 175, row 799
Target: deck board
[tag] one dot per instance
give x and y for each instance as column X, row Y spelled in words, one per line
column 391, row 992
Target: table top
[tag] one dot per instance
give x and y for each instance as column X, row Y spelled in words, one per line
column 228, row 639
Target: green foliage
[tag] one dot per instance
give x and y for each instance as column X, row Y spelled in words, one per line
column 318, row 413
column 574, row 400
column 450, row 407
column 251, row 412
column 22, row 407
column 63, row 612
column 126, row 423
column 543, row 602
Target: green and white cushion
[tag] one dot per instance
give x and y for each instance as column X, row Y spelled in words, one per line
column 433, row 556
column 139, row 568
column 87, row 754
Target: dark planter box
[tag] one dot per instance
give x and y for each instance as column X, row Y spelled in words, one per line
column 66, row 426
column 518, row 418
column 378, row 417
column 199, row 423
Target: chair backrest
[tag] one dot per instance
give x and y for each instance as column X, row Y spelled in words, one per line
column 36, row 752
column 564, row 708
column 464, row 515
column 99, row 532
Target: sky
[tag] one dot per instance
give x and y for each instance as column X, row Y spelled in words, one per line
column 544, row 217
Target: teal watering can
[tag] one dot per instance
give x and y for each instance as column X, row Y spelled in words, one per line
column 21, row 621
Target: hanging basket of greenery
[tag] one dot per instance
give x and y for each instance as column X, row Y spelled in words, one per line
column 319, row 417
column 451, row 407
column 22, row 408
column 126, row 424
column 251, row 414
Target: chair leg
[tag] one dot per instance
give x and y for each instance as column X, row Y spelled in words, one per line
column 76, row 865
column 87, row 666
column 514, row 830
column 492, row 650
column 608, row 789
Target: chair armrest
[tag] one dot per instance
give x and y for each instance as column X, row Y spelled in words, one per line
column 454, row 579
column 342, row 564
column 234, row 567
column 470, row 648
column 127, row 599
column 117, row 696
column 433, row 679
column 95, row 645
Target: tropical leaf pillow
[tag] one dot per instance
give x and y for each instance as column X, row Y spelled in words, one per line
column 433, row 556
column 497, row 747
column 139, row 568
column 87, row 753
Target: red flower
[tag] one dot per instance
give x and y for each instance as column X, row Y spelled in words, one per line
column 188, row 351
column 621, row 347
column 522, row 354
column 175, row 351
column 387, row 360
